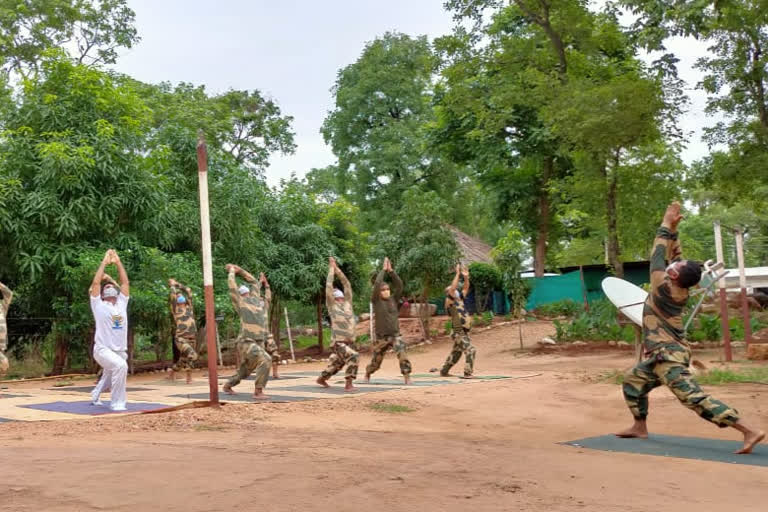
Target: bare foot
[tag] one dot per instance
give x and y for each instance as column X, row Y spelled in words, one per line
column 259, row 395
column 750, row 440
column 367, row 378
column 189, row 377
column 228, row 390
column 322, row 382
column 637, row 430
column 348, row 387
column 407, row 380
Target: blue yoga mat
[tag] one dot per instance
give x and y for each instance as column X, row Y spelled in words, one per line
column 86, row 408
column 681, row 447
column 247, row 397
column 333, row 390
column 5, row 420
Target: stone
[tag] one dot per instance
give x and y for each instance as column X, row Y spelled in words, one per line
column 547, row 341
column 612, row 343
column 364, row 317
column 623, row 344
column 738, row 344
column 579, row 343
column 758, row 351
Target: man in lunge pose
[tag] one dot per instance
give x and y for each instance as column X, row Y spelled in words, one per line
column 180, row 300
column 339, row 304
column 667, row 354
column 387, row 323
column 252, row 309
column 461, row 324
column 109, row 303
column 6, row 296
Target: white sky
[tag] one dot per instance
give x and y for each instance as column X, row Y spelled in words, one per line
column 291, row 51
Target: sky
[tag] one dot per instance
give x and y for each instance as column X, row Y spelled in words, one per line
column 291, row 51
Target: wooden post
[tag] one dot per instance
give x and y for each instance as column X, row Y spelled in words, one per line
column 583, row 288
column 205, row 230
column 743, row 285
column 290, row 338
column 370, row 319
column 723, row 296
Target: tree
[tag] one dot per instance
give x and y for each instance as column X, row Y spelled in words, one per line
column 91, row 30
column 485, row 278
column 509, row 255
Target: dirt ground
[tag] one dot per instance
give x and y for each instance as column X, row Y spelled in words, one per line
column 486, row 445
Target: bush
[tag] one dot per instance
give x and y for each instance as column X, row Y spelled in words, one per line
column 565, row 307
column 599, row 324
column 488, row 317
column 448, row 327
column 485, row 278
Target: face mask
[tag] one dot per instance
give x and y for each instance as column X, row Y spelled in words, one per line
column 385, row 294
column 338, row 294
column 456, row 294
column 181, row 299
column 244, row 290
column 110, row 292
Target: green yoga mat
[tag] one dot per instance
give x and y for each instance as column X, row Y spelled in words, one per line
column 247, row 397
column 679, row 447
column 476, row 377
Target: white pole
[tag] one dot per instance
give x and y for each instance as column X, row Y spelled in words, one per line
column 743, row 286
column 290, row 338
column 725, row 326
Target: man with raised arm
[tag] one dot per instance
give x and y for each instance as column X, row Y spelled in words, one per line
column 253, row 312
column 339, row 304
column 461, row 323
column 667, row 354
column 387, row 323
column 6, row 295
column 183, row 313
column 109, row 304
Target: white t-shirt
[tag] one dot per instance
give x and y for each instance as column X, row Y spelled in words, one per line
column 111, row 323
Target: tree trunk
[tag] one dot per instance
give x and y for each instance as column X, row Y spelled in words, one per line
column 544, row 215
column 319, row 304
column 60, row 352
column 274, row 319
column 611, row 212
column 424, row 314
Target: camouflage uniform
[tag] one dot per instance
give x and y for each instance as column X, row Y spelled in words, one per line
column 387, row 326
column 4, row 305
column 186, row 330
column 667, row 353
column 342, row 329
column 253, row 334
column 462, row 344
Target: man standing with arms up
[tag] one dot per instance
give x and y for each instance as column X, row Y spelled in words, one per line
column 253, row 312
column 667, row 354
column 109, row 304
column 342, row 315
column 387, row 323
column 461, row 324
column 7, row 296
column 180, row 300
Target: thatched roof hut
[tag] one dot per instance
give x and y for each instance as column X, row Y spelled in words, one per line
column 472, row 249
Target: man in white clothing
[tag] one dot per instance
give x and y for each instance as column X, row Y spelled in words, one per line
column 109, row 303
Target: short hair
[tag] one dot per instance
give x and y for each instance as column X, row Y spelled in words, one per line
column 689, row 274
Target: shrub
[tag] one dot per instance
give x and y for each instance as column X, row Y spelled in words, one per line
column 565, row 307
column 599, row 324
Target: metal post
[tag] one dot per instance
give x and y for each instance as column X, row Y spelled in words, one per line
column 290, row 338
column 743, row 285
column 723, row 296
column 205, row 230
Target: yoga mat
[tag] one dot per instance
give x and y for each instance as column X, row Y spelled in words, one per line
column 399, row 382
column 5, row 420
column 335, row 390
column 282, row 377
column 87, row 408
column 246, row 397
column 9, row 395
column 88, row 389
column 679, row 447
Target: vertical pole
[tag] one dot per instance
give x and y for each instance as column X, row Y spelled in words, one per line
column 370, row 319
column 205, row 230
column 723, row 296
column 218, row 346
column 743, row 285
column 583, row 288
column 290, row 338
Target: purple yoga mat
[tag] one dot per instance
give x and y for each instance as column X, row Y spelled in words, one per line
column 85, row 407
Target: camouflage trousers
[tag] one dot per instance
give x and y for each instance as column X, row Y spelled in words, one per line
column 341, row 354
column 253, row 358
column 270, row 347
column 187, row 354
column 380, row 347
column 462, row 344
column 4, row 365
column 671, row 370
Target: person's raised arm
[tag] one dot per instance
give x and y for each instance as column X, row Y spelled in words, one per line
column 665, row 245
column 376, row 291
column 188, row 293
column 397, row 283
column 97, row 278
column 7, row 296
column 455, row 283
column 345, row 284
column 329, row 299
column 267, row 290
column 234, row 294
column 125, row 284
column 465, row 290
column 250, row 279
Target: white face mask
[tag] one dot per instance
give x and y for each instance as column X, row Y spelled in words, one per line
column 110, row 292
column 244, row 290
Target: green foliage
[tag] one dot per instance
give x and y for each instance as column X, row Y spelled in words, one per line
column 390, row 408
column 447, row 327
column 718, row 377
column 599, row 324
column 565, row 307
column 485, row 278
column 509, row 255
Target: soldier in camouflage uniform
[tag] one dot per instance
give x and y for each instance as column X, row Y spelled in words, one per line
column 7, row 297
column 387, row 323
column 667, row 354
column 461, row 324
column 252, row 309
column 183, row 313
column 340, row 310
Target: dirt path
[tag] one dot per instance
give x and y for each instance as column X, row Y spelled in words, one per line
column 481, row 446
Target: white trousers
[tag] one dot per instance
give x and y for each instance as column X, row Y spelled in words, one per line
column 114, row 376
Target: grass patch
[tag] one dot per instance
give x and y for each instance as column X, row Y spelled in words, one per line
column 390, row 408
column 718, row 377
column 63, row 383
column 209, row 428
column 29, row 368
column 302, row 341
column 613, row 377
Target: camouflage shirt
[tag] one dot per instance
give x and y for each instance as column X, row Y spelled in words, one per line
column 183, row 314
column 253, row 309
column 460, row 319
column 663, row 310
column 342, row 314
column 4, row 305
